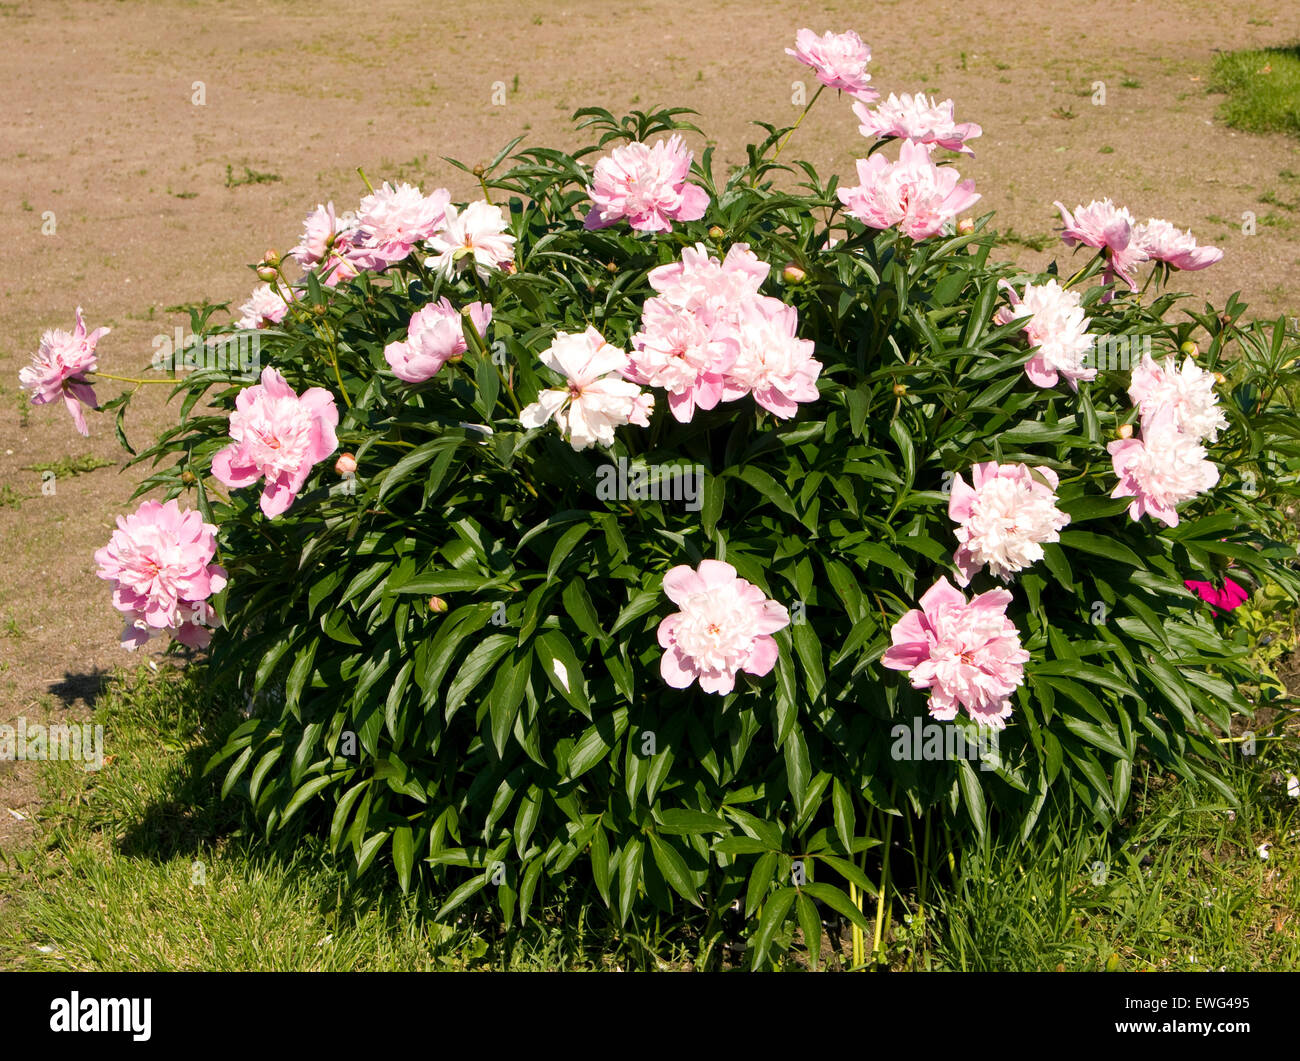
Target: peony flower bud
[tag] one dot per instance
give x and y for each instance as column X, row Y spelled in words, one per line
column 792, row 274
column 965, row 226
column 1124, row 431
column 509, row 268
column 715, row 233
column 271, row 258
column 1219, row 377
column 611, row 267
column 479, row 170
column 1188, row 349
column 899, row 390
column 437, row 605
column 188, row 478
column 346, row 464
column 266, row 272
column 320, row 311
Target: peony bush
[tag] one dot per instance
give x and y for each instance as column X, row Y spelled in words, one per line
column 865, row 476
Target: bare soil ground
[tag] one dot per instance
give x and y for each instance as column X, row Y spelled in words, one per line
column 101, row 130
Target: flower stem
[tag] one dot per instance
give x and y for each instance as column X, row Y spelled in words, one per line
column 798, row 122
column 129, row 379
column 884, row 888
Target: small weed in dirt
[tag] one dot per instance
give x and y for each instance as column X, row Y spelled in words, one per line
column 1034, row 243
column 251, row 176
column 1105, row 149
column 66, row 467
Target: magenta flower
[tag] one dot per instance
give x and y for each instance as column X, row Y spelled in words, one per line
column 774, row 364
column 159, row 563
column 724, row 626
column 647, row 185
column 1163, row 242
column 1220, row 598
column 1057, row 331
column 967, row 654
column 1161, row 469
column 279, row 437
column 919, row 119
column 391, row 221
column 475, row 236
column 264, row 307
column 597, row 397
column 912, row 193
column 838, row 59
column 1004, row 516
column 1109, row 228
column 59, row 367
column 434, row 337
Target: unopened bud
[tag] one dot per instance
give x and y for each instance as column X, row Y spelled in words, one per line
column 320, row 311
column 266, row 272
column 715, row 233
column 611, row 267
column 437, row 605
column 1219, row 377
column 1188, row 349
column 509, row 268
column 346, row 464
column 1124, row 431
column 792, row 274
column 965, row 226
column 271, row 257
column 479, row 170
column 188, row 478
column 899, row 390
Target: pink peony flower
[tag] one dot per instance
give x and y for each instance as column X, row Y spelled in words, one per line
column 59, row 367
column 597, row 399
column 1110, row 229
column 1161, row 469
column 1056, row 329
column 159, row 563
column 685, row 353
column 839, row 61
column 647, row 185
column 967, row 654
column 279, row 436
column 774, row 364
column 391, row 221
column 919, row 119
column 700, row 282
column 912, row 193
column 434, row 337
column 725, row 625
column 320, row 229
column 1189, row 394
column 474, row 236
column 1162, row 242
column 1005, row 515
column 1225, row 598
column 263, row 308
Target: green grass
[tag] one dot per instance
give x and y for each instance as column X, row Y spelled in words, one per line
column 142, row 866
column 66, row 467
column 1263, row 89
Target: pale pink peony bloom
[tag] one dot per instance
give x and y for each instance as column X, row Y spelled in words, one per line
column 279, row 436
column 320, row 229
column 701, row 282
column 1109, row 228
column 1004, row 516
column 839, row 61
column 1163, row 242
column 967, row 654
column 434, row 337
column 1188, row 393
column 912, row 193
column 919, row 119
column 159, row 564
column 775, row 365
column 597, row 399
column 474, row 236
column 725, row 625
column 264, row 307
column 1161, row 469
column 685, row 353
column 1057, row 331
column 647, row 185
column 59, row 367
column 391, row 221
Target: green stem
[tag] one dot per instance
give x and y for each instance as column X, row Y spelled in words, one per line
column 129, row 379
column 884, row 887
column 798, row 122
